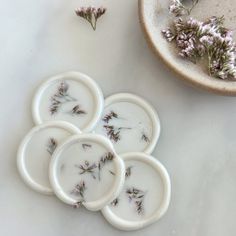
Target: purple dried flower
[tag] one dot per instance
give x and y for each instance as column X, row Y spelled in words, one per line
column 79, row 189
column 168, row 34
column 60, row 97
column 196, row 39
column 76, row 110
column 109, row 116
column 177, row 8
column 51, row 145
column 91, row 14
column 222, row 58
column 137, row 197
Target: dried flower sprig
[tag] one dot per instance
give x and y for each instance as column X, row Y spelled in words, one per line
column 177, row 8
column 79, row 190
column 168, row 34
column 128, row 171
column 91, row 14
column 51, row 145
column 95, row 168
column 113, row 133
column 108, row 157
column 127, row 175
column 145, row 138
column 87, row 168
column 137, row 196
column 139, row 206
column 115, row 202
column 55, row 105
column 109, row 116
column 86, row 146
column 76, row 110
column 78, row 204
column 210, row 40
column 60, row 97
column 62, row 92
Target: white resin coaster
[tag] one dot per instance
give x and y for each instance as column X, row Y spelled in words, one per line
column 86, row 170
column 72, row 97
column 130, row 123
column 36, row 149
column 145, row 196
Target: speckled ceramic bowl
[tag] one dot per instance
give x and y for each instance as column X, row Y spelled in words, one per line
column 154, row 17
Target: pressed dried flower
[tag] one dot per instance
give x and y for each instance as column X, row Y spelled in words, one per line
column 137, row 196
column 113, row 133
column 55, row 105
column 128, row 172
column 62, row 92
column 91, row 14
column 94, row 169
column 109, row 116
column 139, row 206
column 78, row 204
column 79, row 189
column 145, row 138
column 108, row 157
column 60, row 97
column 115, row 202
column 51, row 145
column 76, row 110
column 87, row 168
column 62, row 89
column 86, row 146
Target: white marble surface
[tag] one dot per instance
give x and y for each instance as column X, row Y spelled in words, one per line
column 197, row 144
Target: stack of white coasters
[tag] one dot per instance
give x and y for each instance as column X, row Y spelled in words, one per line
column 96, row 154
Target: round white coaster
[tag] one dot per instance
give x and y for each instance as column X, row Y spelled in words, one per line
column 85, row 170
column 130, row 123
column 36, row 149
column 145, row 196
column 73, row 97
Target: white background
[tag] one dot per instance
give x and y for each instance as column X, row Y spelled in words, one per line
column 197, row 144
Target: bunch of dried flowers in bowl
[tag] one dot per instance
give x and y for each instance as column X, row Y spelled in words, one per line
column 194, row 42
column 210, row 39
